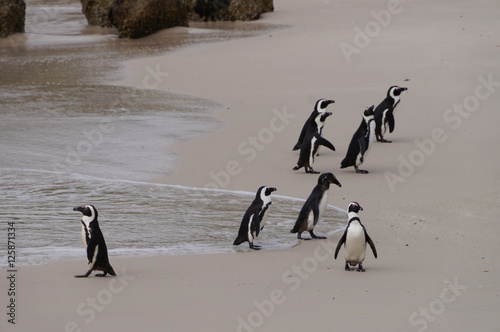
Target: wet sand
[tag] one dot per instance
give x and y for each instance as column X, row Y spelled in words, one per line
column 430, row 200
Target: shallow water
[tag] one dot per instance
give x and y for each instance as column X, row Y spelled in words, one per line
column 69, row 138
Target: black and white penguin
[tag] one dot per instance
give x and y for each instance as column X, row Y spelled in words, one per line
column 255, row 217
column 354, row 240
column 311, row 143
column 93, row 240
column 319, row 107
column 361, row 142
column 314, row 207
column 384, row 112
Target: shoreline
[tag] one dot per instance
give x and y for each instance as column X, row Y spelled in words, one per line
column 435, row 233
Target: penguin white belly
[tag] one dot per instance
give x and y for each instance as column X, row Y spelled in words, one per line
column 371, row 138
column 355, row 244
column 250, row 234
column 321, row 207
column 84, row 238
column 264, row 219
column 384, row 127
column 311, row 153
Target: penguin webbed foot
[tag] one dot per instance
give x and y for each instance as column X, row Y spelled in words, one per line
column 347, row 268
column 360, row 268
column 311, row 171
column 101, row 274
column 360, row 171
column 254, row 246
column 383, row 140
column 83, row 275
column 314, row 236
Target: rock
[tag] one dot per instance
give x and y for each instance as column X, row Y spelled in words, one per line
column 136, row 19
column 12, row 16
column 98, row 12
column 231, row 10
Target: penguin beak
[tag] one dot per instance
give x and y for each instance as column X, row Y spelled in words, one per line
column 78, row 208
column 403, row 89
column 360, row 208
column 336, row 182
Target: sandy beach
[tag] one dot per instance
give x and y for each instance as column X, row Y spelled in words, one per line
column 430, row 200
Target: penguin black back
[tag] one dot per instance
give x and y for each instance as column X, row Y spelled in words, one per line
column 319, row 107
column 384, row 112
column 314, row 207
column 255, row 217
column 93, row 239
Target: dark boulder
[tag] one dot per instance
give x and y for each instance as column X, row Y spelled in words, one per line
column 231, row 10
column 97, row 12
column 12, row 16
column 136, row 19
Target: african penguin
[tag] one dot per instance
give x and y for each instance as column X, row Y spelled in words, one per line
column 314, row 207
column 319, row 107
column 384, row 112
column 354, row 240
column 255, row 217
column 93, row 240
column 312, row 140
column 361, row 142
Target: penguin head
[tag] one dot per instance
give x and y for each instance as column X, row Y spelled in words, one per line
column 264, row 193
column 395, row 91
column 326, row 178
column 369, row 112
column 87, row 210
column 322, row 104
column 354, row 207
column 322, row 117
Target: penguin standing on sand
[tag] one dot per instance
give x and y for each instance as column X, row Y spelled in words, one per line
column 314, row 207
column 311, row 143
column 361, row 142
column 384, row 112
column 354, row 240
column 319, row 108
column 255, row 217
column 97, row 252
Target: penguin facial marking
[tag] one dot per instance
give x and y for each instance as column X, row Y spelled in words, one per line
column 89, row 213
column 265, row 194
column 354, row 207
column 323, row 104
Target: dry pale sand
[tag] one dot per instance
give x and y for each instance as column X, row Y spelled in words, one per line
column 431, row 198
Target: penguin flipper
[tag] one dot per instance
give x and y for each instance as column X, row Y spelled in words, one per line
column 256, row 223
column 315, row 210
column 372, row 245
column 92, row 251
column 390, row 119
column 323, row 141
column 362, row 145
column 341, row 242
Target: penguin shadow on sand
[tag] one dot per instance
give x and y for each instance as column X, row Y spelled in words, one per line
column 93, row 240
column 354, row 240
column 311, row 138
column 255, row 218
column 314, row 207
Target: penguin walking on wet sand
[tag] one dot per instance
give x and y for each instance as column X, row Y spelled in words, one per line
column 384, row 112
column 319, row 107
column 311, row 143
column 354, row 240
column 361, row 142
column 255, row 217
column 93, row 240
column 314, row 207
